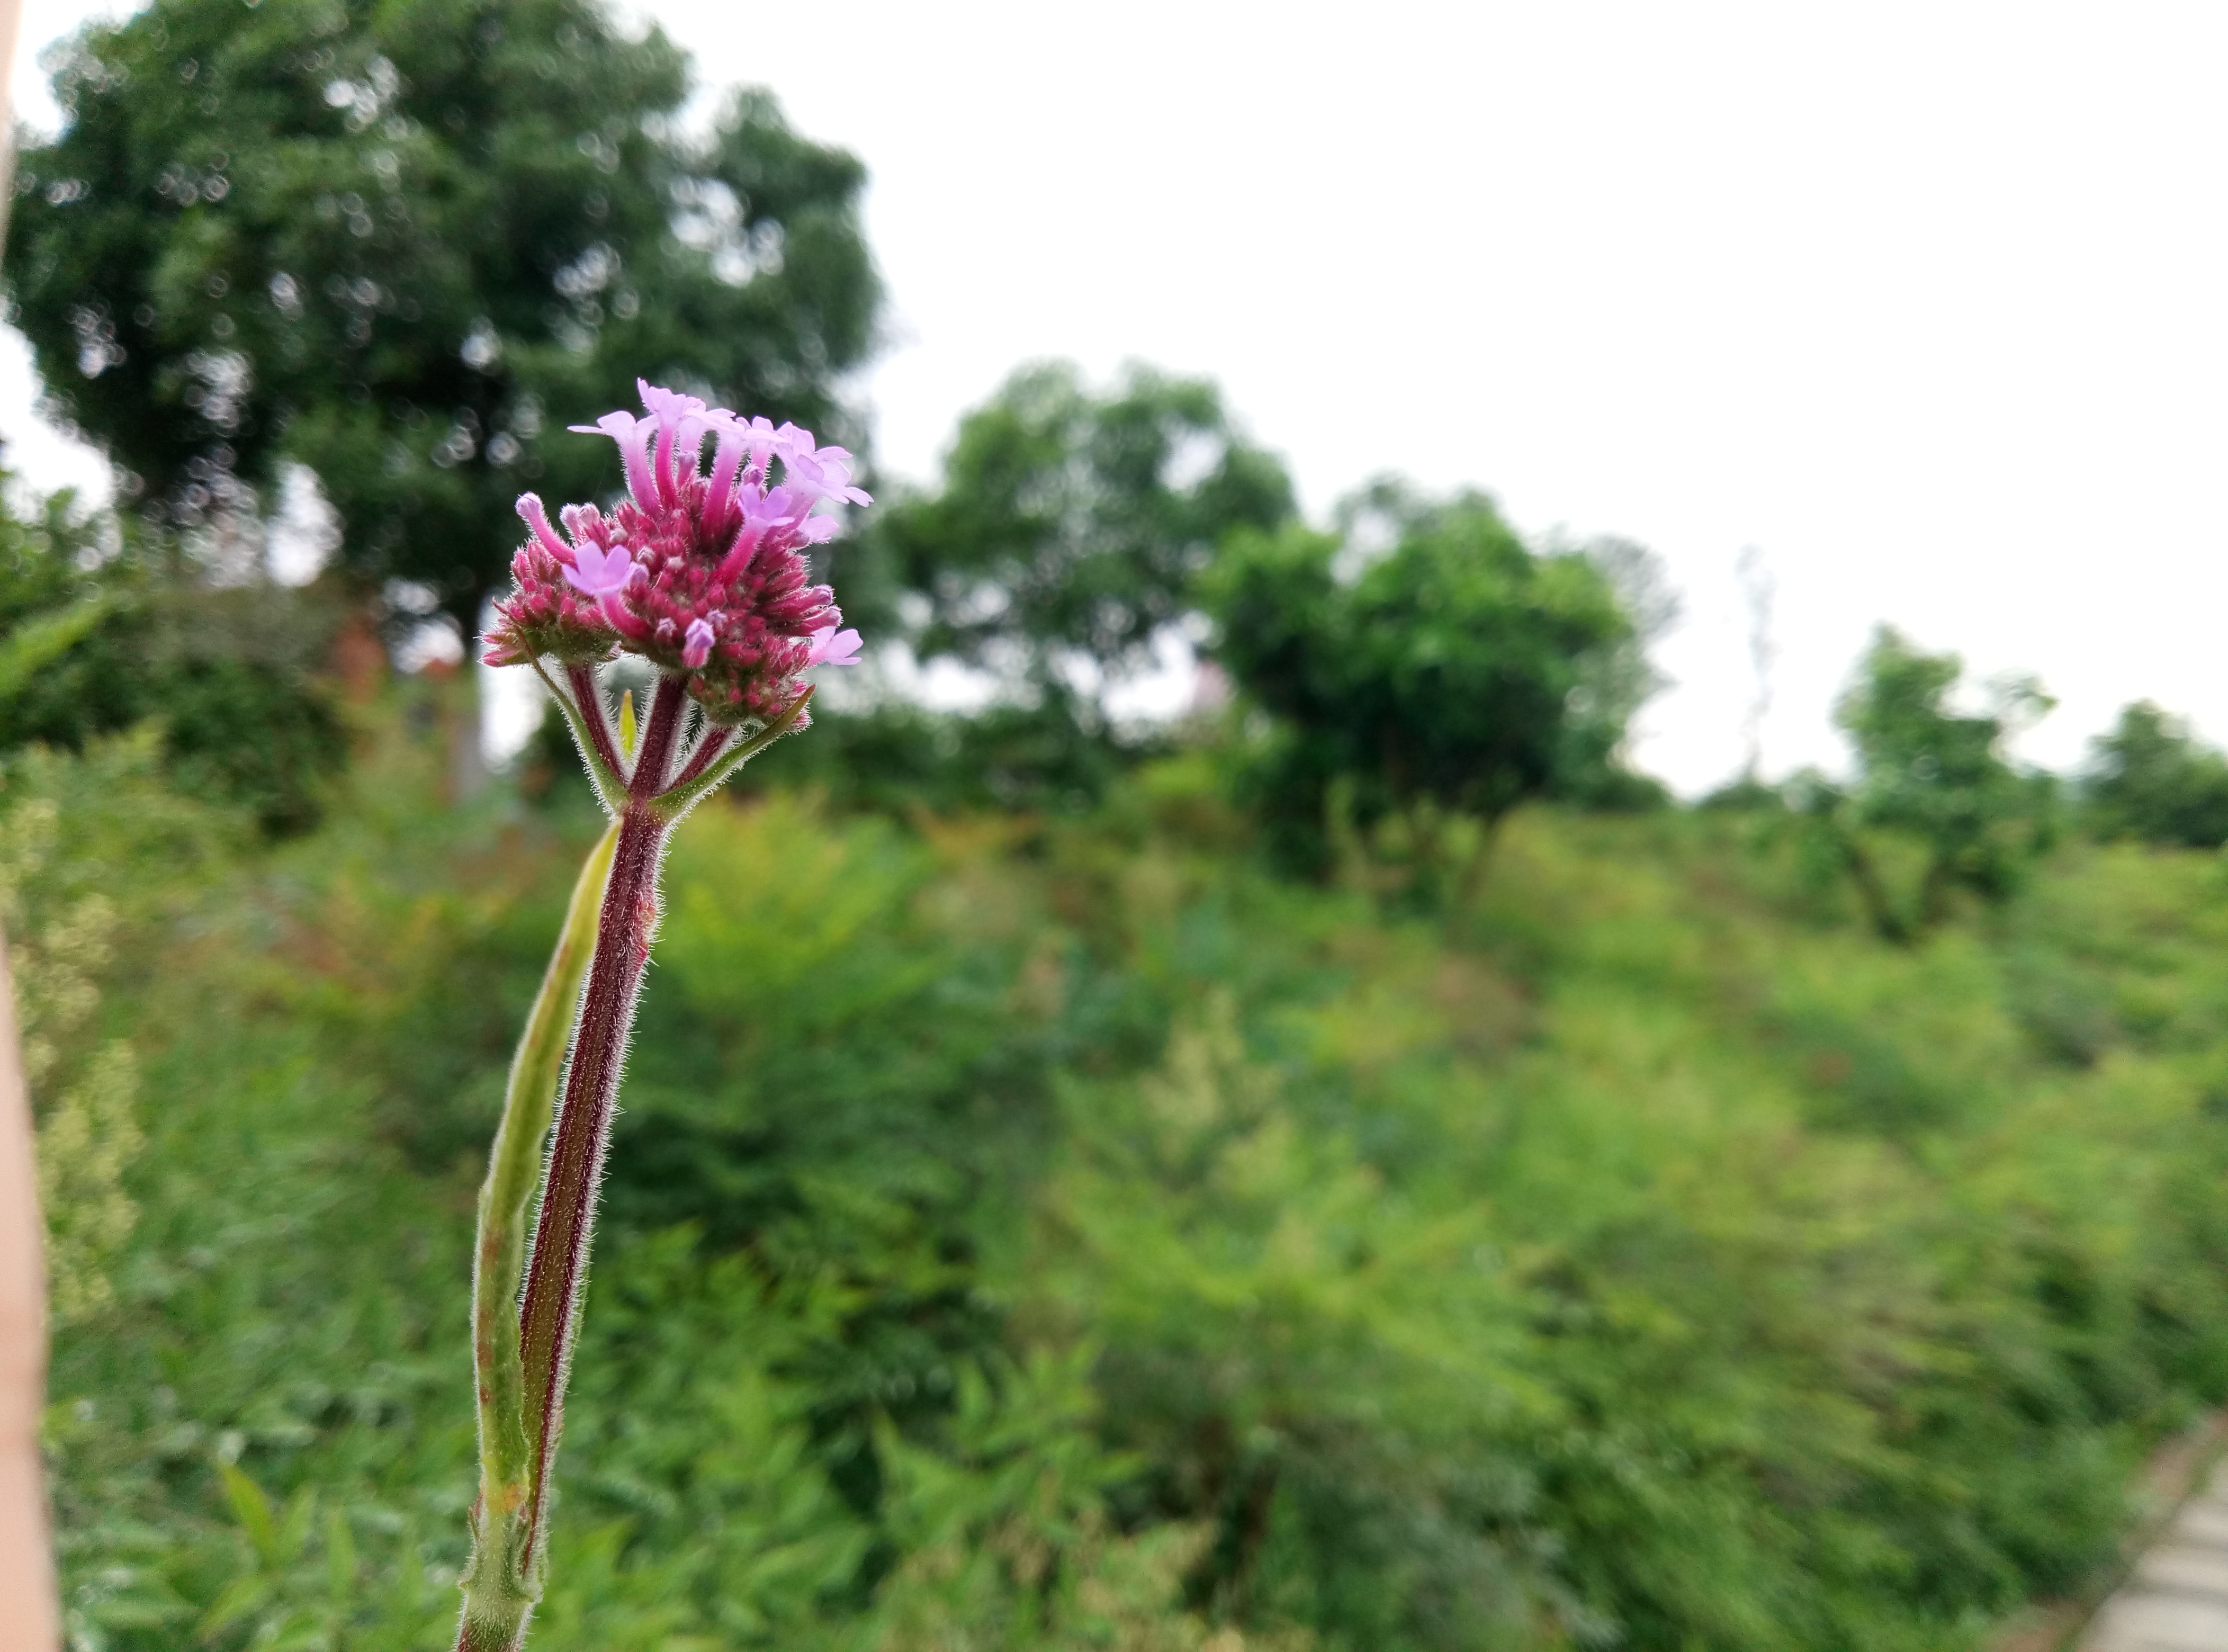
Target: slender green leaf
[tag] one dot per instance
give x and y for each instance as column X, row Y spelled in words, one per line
column 42, row 639
column 514, row 1170
column 254, row 1509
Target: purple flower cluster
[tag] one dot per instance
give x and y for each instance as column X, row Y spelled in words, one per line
column 702, row 574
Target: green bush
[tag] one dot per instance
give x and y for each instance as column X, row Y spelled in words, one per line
column 1457, row 673
column 1934, row 787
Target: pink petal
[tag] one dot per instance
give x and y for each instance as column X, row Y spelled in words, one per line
column 832, row 646
column 598, row 572
column 632, row 434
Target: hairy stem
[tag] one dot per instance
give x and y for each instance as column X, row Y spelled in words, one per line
column 610, row 782
column 550, row 1312
column 594, row 719
column 501, row 1585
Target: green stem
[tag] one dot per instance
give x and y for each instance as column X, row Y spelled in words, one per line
column 502, row 1584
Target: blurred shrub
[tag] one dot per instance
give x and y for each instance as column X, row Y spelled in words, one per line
column 231, row 674
column 1055, row 559
column 897, row 758
column 1068, row 530
column 90, row 852
column 1307, row 1359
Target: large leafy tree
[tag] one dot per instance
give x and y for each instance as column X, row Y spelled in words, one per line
column 1460, row 671
column 405, row 242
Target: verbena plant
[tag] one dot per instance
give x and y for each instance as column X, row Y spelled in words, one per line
column 704, row 575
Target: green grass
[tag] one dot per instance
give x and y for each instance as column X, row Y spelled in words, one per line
column 1066, row 1234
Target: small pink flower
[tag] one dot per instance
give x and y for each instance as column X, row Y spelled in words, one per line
column 670, row 409
column 774, row 505
column 697, row 644
column 682, row 421
column 823, row 472
column 599, row 572
column 832, row 646
column 633, row 435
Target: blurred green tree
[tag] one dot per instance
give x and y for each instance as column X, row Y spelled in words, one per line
column 1068, row 530
column 1616, row 679
column 404, row 244
column 1935, row 777
column 2149, row 778
column 1459, row 671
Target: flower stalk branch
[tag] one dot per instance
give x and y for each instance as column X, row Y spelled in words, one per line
column 505, row 1584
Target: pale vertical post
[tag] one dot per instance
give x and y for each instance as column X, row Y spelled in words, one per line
column 30, row 1617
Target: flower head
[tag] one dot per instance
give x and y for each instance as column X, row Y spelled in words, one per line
column 703, row 573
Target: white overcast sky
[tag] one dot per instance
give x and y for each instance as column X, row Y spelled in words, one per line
column 1925, row 301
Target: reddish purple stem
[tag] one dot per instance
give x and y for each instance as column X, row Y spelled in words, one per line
column 548, row 1314
column 583, row 679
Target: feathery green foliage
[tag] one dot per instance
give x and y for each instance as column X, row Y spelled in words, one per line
column 1071, row 1235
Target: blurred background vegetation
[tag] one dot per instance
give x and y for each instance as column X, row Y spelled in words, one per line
column 1350, row 1165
